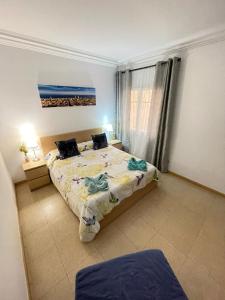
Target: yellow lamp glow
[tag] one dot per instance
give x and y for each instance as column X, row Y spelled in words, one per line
column 29, row 138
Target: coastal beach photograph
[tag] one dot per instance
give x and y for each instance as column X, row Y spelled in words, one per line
column 56, row 95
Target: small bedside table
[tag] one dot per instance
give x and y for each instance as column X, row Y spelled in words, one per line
column 37, row 174
column 117, row 144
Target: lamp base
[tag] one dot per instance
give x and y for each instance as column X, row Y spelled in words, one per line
column 26, row 158
column 36, row 159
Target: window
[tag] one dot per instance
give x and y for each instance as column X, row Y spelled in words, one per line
column 140, row 108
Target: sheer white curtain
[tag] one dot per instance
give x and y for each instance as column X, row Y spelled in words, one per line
column 142, row 111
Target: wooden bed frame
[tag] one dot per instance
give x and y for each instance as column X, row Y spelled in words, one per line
column 127, row 203
column 48, row 144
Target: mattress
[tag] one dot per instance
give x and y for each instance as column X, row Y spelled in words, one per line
column 68, row 176
column 144, row 275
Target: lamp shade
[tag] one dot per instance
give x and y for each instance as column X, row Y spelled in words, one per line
column 108, row 127
column 28, row 135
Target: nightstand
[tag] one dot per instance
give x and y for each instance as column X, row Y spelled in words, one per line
column 37, row 174
column 117, row 144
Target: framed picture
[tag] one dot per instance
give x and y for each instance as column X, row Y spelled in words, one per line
column 57, row 95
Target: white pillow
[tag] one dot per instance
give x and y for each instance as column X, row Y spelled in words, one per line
column 85, row 146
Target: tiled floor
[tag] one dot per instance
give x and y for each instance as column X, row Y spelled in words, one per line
column 184, row 220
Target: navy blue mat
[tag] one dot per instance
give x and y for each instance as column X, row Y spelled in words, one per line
column 144, row 275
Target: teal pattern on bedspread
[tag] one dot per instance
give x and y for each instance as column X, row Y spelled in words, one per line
column 134, row 164
column 96, row 184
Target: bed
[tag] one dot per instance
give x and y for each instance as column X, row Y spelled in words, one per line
column 96, row 210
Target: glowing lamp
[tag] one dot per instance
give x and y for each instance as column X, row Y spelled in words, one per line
column 108, row 128
column 29, row 138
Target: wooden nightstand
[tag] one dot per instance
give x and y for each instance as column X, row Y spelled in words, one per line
column 117, row 144
column 37, row 174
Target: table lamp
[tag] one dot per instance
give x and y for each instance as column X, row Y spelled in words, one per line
column 30, row 139
column 108, row 128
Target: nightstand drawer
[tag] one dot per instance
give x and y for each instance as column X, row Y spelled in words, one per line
column 35, row 173
column 39, row 182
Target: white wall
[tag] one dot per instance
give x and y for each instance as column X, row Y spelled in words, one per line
column 13, row 283
column 20, row 72
column 198, row 137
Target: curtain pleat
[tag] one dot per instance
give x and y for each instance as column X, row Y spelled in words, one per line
column 165, row 80
column 123, row 96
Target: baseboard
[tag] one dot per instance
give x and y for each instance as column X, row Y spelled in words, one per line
column 198, row 184
column 23, row 253
column 25, row 264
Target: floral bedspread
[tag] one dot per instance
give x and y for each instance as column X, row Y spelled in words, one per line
column 68, row 176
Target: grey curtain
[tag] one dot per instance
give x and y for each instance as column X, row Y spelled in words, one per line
column 164, row 94
column 123, row 96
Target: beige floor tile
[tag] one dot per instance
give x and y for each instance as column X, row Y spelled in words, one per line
column 160, row 197
column 31, row 218
column 217, row 209
column 197, row 282
column 38, row 242
column 72, row 252
column 111, row 242
column 54, row 207
column 214, row 229
column 138, row 231
column 182, row 228
column 212, row 255
column 153, row 213
column 188, row 225
column 45, row 272
column 72, row 279
column 45, row 193
column 174, row 257
column 128, row 216
column 173, row 185
column 206, row 251
column 198, row 200
column 217, row 272
column 24, row 196
column 65, row 226
column 61, row 291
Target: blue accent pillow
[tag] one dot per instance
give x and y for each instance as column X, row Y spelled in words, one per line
column 67, row 148
column 99, row 141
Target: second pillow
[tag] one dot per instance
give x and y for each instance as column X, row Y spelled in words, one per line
column 99, row 141
column 67, row 148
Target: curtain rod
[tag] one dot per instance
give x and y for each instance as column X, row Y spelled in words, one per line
column 146, row 67
column 151, row 66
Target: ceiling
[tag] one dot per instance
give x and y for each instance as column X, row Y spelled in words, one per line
column 117, row 29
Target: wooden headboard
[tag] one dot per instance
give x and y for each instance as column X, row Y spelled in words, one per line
column 48, row 142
